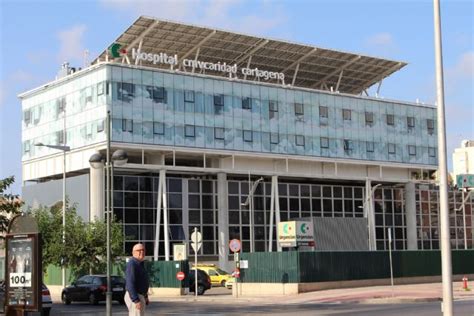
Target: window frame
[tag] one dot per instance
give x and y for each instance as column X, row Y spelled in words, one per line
column 188, row 128
column 432, row 152
column 298, row 139
column 220, row 129
column 158, row 128
column 411, row 150
column 298, row 108
column 430, row 126
column 370, row 146
column 324, row 113
column 346, row 114
column 187, row 94
column 272, row 139
column 390, row 120
column 390, row 146
column 246, row 132
column 367, row 116
column 247, row 103
column 410, row 121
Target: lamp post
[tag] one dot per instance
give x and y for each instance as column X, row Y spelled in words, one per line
column 64, row 149
column 249, row 202
column 96, row 161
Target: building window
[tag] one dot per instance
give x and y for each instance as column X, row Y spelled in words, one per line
column 299, row 109
column 27, row 116
column 188, row 96
column 157, row 94
column 60, row 137
column 189, row 131
column 348, row 145
column 61, row 105
column 299, row 139
column 246, row 103
column 100, row 126
column 100, row 88
column 430, row 126
column 369, row 118
column 412, row 150
column 431, row 152
column 324, row 142
column 247, row 135
column 346, row 114
column 218, row 132
column 410, row 121
column 127, row 125
column 273, row 109
column 323, row 111
column 370, row 147
column 158, row 128
column 391, row 148
column 126, row 91
column 26, row 147
column 390, row 119
column 219, row 100
column 274, row 138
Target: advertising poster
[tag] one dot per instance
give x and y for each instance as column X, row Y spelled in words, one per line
column 19, row 265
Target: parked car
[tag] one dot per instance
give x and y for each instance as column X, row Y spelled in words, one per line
column 93, row 289
column 46, row 303
column 218, row 276
column 204, row 281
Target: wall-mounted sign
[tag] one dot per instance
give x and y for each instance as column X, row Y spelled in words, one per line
column 138, row 55
column 295, row 233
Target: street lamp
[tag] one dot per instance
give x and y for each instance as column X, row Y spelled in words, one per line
column 64, row 149
column 119, row 157
column 249, row 202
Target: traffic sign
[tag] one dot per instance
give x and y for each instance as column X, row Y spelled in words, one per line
column 196, row 238
column 235, row 245
column 180, row 275
column 236, row 273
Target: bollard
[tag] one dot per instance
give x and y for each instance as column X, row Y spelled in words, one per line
column 464, row 284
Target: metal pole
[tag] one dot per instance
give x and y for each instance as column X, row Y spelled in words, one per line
column 390, row 256
column 108, row 307
column 464, row 220
column 447, row 307
column 63, row 268
column 196, row 264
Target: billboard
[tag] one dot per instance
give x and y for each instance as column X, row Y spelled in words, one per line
column 295, row 233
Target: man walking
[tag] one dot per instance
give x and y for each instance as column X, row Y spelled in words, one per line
column 136, row 282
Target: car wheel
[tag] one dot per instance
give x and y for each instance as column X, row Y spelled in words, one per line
column 65, row 299
column 45, row 311
column 201, row 289
column 93, row 299
column 223, row 283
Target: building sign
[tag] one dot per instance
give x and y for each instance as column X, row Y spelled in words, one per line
column 295, row 233
column 162, row 58
column 465, row 181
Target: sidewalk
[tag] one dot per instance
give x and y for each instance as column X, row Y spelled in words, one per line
column 426, row 292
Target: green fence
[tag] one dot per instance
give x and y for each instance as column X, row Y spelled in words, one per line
column 161, row 273
column 301, row 267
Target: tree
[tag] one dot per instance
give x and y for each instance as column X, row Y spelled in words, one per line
column 85, row 248
column 10, row 205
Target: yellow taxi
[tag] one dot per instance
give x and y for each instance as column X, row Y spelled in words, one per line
column 218, row 276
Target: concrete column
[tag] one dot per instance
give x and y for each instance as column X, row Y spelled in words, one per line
column 410, row 209
column 223, row 220
column 96, row 193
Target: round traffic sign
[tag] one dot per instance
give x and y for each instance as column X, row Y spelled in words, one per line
column 236, row 273
column 180, row 275
column 196, row 237
column 234, row 245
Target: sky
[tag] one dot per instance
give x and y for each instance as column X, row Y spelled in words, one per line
column 37, row 36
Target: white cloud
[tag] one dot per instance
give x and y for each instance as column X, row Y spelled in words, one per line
column 71, row 46
column 463, row 69
column 380, row 40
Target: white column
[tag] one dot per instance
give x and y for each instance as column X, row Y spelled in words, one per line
column 410, row 209
column 277, row 206
column 166, row 229
column 96, row 193
column 158, row 220
column 223, row 220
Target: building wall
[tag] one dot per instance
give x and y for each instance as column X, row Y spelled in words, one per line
column 463, row 159
column 152, row 107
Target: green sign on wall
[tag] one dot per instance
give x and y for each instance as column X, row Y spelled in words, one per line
column 465, row 181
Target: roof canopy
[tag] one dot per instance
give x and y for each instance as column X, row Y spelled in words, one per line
column 303, row 65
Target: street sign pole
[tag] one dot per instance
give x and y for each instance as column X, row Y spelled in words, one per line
column 195, row 267
column 390, row 255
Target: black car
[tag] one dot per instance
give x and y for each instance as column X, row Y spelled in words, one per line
column 93, row 289
column 204, row 281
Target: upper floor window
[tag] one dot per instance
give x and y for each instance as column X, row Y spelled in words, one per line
column 370, row 147
column 127, row 125
column 27, row 116
column 125, row 91
column 26, row 147
column 247, row 135
column 431, row 152
column 100, row 88
column 158, row 128
column 391, row 148
column 299, row 139
column 272, row 109
column 218, row 132
column 188, row 96
column 274, row 138
column 390, row 119
column 299, row 109
column 60, row 137
column 346, row 114
column 410, row 121
column 100, row 126
column 369, row 118
column 189, row 131
column 61, row 105
column 348, row 145
column 412, row 150
column 323, row 111
column 157, row 94
column 219, row 100
column 430, row 126
column 324, row 142
column 247, row 103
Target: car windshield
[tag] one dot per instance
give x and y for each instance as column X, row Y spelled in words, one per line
column 221, row 271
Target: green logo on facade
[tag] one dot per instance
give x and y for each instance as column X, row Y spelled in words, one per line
column 116, row 51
